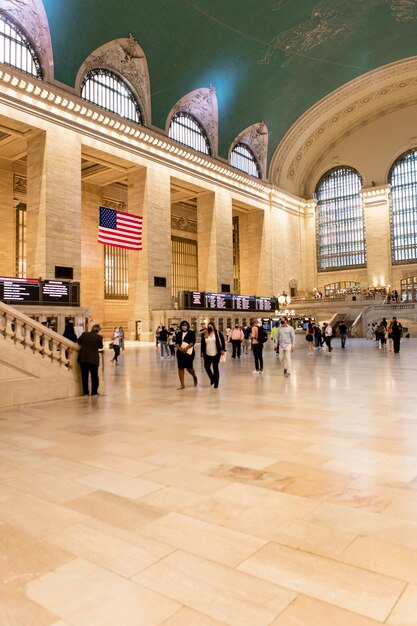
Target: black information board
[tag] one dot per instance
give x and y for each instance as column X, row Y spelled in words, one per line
column 227, row 301
column 218, row 301
column 33, row 291
column 244, row 303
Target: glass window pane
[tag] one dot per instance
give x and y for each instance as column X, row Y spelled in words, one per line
column 108, row 91
column 16, row 50
column 116, row 278
column 403, row 181
column 340, row 224
column 242, row 158
column 186, row 130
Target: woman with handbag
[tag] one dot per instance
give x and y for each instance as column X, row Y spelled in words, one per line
column 185, row 342
column 212, row 348
column 310, row 337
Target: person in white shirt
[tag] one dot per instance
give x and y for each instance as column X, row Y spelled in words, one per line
column 236, row 338
column 328, row 334
column 212, row 347
column 286, row 344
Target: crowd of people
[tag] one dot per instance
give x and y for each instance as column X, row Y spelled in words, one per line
column 385, row 334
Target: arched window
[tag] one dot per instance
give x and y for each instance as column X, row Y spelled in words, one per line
column 106, row 90
column 403, row 181
column 185, row 129
column 16, row 50
column 340, row 221
column 242, row 158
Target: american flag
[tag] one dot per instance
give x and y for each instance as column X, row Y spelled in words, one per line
column 119, row 229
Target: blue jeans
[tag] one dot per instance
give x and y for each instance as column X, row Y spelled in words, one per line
column 164, row 347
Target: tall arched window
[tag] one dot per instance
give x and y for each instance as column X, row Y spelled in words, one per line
column 16, row 50
column 403, row 181
column 107, row 90
column 340, row 221
column 242, row 158
column 187, row 130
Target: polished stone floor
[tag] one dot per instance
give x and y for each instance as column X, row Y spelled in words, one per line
column 269, row 501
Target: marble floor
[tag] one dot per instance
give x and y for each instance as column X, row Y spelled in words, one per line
column 270, row 501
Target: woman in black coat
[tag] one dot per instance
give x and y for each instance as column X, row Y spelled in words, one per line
column 212, row 347
column 185, row 342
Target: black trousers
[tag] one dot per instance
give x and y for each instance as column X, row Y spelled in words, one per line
column 86, row 369
column 396, row 342
column 328, row 341
column 236, row 343
column 257, row 349
column 116, row 349
column 211, row 365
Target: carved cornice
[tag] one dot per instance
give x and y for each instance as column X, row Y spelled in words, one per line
column 183, row 223
column 117, row 205
column 376, row 93
column 256, row 137
column 20, row 184
column 126, row 58
column 201, row 104
column 31, row 16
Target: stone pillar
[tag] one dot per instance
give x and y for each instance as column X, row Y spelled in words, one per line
column 8, row 224
column 376, row 203
column 309, row 267
column 54, row 202
column 256, row 277
column 149, row 195
column 215, row 240
column 92, row 254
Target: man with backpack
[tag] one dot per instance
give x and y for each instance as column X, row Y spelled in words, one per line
column 286, row 343
column 258, row 338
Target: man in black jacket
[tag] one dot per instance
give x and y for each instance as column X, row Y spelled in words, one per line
column 89, row 358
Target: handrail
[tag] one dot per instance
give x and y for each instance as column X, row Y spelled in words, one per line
column 40, row 339
column 394, row 307
column 358, row 320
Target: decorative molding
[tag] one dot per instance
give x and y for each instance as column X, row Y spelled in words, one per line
column 256, row 138
column 201, row 104
column 353, row 105
column 31, row 17
column 20, row 184
column 403, row 10
column 117, row 205
column 183, row 223
column 125, row 58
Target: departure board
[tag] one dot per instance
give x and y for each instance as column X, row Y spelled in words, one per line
column 266, row 304
column 244, row 303
column 218, row 301
column 19, row 290
column 55, row 292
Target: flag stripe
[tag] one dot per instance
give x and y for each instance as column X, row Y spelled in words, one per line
column 120, row 229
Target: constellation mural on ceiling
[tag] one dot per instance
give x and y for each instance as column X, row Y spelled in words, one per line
column 403, row 10
column 321, row 27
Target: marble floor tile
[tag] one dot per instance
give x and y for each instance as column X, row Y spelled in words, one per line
column 359, row 591
column 305, row 611
column 221, row 593
column 405, row 611
column 87, row 595
column 200, row 538
column 175, row 512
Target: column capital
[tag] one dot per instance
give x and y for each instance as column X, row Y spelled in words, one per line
column 375, row 195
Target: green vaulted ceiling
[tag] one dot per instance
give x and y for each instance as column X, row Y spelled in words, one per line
column 268, row 59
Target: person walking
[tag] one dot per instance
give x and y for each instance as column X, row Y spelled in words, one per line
column 246, row 338
column 286, row 343
column 69, row 332
column 328, row 334
column 115, row 344
column 171, row 341
column 236, row 338
column 274, row 335
column 380, row 337
column 310, row 337
column 163, row 342
column 89, row 359
column 257, row 339
column 318, row 338
column 343, row 334
column 185, row 342
column 212, row 347
column 158, row 330
column 396, row 330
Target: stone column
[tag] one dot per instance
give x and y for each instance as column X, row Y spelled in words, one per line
column 376, row 203
column 54, row 202
column 256, row 277
column 92, row 254
column 215, row 240
column 309, row 267
column 8, row 223
column 149, row 195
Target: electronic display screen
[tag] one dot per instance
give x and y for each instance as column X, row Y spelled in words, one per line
column 266, row 304
column 19, row 290
column 244, row 303
column 55, row 292
column 219, row 301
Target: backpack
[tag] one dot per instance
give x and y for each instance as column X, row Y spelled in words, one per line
column 262, row 335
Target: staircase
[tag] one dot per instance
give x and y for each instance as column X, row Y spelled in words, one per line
column 36, row 364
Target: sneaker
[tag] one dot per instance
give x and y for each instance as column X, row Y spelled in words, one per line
column 255, row 372
column 261, row 371
column 287, row 375
column 285, row 372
